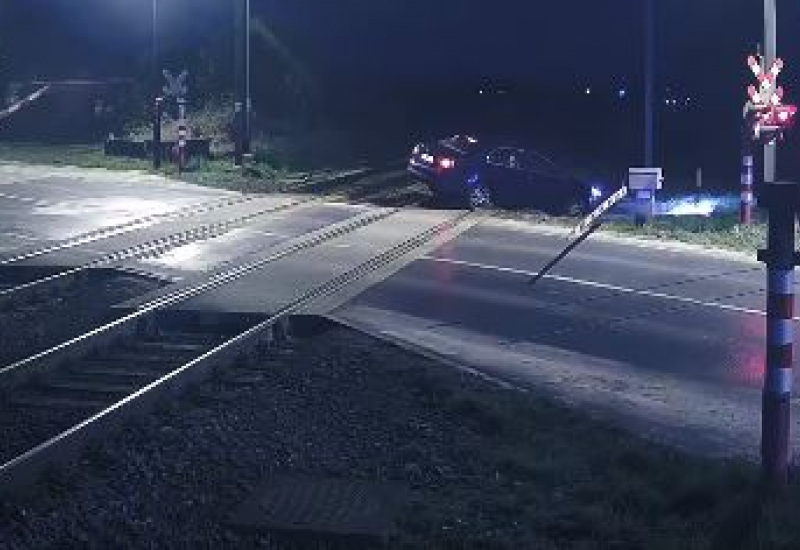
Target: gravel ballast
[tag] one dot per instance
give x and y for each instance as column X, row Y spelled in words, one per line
column 489, row 468
column 30, row 328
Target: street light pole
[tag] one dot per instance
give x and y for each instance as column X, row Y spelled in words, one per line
column 155, row 87
column 243, row 101
column 649, row 85
column 154, row 48
column 248, row 102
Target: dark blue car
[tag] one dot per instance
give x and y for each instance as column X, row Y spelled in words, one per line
column 463, row 171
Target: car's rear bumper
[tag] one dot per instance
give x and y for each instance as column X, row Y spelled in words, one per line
column 422, row 173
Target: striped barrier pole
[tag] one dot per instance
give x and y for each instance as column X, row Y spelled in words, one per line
column 238, row 125
column 21, row 104
column 183, row 134
column 598, row 212
column 746, row 210
column 595, row 225
column 780, row 258
column 158, row 115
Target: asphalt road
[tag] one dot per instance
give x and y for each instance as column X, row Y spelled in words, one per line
column 668, row 340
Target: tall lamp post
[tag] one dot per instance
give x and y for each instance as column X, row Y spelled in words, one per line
column 649, row 84
column 155, row 73
column 155, row 87
column 243, row 103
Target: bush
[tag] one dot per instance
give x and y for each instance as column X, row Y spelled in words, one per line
column 212, row 121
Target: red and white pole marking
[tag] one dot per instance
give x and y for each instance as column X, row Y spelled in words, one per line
column 5, row 113
column 183, row 134
column 778, row 382
column 746, row 210
column 592, row 218
column 780, row 256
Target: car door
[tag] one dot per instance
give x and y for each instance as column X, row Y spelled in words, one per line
column 543, row 180
column 505, row 176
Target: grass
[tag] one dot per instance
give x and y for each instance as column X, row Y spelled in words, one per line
column 220, row 173
column 722, row 231
column 273, row 164
column 84, row 156
column 559, row 479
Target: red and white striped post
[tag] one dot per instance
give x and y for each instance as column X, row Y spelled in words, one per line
column 158, row 115
column 183, row 134
column 780, row 257
column 746, row 210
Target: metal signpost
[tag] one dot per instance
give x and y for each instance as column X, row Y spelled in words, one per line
column 780, row 200
column 643, row 183
column 767, row 119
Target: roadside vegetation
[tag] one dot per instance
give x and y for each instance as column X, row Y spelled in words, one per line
column 563, row 480
column 277, row 160
column 719, row 231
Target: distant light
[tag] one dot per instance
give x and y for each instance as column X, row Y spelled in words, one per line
column 597, row 192
column 480, row 92
column 622, row 93
column 687, row 206
column 588, row 91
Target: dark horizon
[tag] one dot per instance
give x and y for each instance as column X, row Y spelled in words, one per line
column 405, row 63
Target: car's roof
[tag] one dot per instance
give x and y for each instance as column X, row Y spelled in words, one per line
column 470, row 144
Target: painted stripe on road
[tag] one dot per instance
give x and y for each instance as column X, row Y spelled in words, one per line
column 604, row 286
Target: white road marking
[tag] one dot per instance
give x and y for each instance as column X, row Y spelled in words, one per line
column 604, row 286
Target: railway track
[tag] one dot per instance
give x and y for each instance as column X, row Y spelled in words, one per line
column 21, row 283
column 38, row 285
column 56, row 402
column 130, row 226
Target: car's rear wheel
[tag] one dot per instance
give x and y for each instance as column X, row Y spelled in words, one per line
column 479, row 196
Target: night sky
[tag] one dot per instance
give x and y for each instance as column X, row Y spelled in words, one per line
column 403, row 54
column 556, row 43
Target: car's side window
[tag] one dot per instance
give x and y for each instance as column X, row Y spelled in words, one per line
column 500, row 158
column 505, row 158
column 538, row 164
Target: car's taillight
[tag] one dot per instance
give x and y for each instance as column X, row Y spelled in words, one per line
column 447, row 163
